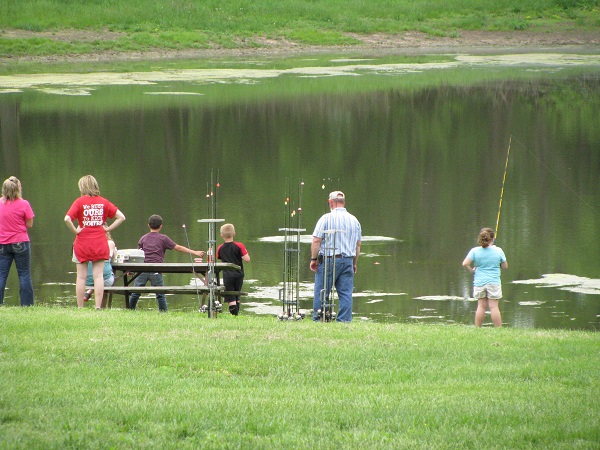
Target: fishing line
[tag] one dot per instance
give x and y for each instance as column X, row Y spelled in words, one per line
column 554, row 174
column 502, row 190
column 287, row 223
column 192, row 262
column 545, row 166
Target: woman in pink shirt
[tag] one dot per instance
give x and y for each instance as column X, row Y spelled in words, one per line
column 16, row 216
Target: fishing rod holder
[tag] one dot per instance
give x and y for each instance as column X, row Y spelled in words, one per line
column 289, row 294
column 328, row 293
column 211, row 278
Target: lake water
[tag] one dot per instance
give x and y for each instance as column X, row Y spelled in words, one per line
column 419, row 146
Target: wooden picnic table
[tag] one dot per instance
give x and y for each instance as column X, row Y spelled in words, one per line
column 131, row 270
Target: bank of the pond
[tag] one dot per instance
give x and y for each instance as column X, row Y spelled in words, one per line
column 124, row 379
column 409, row 42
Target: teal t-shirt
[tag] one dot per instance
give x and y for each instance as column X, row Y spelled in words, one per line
column 107, row 273
column 487, row 264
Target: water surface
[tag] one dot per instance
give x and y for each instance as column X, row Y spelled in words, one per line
column 418, row 148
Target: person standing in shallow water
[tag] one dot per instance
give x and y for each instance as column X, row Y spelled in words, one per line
column 16, row 216
column 487, row 259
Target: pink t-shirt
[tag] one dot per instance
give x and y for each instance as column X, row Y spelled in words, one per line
column 13, row 215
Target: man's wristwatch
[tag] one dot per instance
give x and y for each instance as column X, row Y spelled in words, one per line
column 313, row 259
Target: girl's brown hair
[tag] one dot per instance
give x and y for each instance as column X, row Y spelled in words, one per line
column 486, row 237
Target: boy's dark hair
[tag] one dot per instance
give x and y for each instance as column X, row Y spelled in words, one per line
column 155, row 221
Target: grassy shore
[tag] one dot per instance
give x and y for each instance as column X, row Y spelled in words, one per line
column 53, row 27
column 122, row 379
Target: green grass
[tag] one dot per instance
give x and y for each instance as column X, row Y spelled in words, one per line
column 122, row 379
column 182, row 24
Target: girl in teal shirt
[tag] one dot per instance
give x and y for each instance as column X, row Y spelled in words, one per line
column 487, row 259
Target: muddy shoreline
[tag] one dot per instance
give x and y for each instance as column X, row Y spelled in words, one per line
column 413, row 42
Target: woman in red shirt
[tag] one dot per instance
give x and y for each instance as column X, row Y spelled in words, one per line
column 91, row 211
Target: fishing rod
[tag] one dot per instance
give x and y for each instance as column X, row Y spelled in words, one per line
column 300, row 229
column 327, row 295
column 217, row 185
column 283, row 292
column 502, row 190
column 211, row 195
column 214, row 305
column 289, row 294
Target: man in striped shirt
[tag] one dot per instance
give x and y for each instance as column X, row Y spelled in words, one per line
column 336, row 237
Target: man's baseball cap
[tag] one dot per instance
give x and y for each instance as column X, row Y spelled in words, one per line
column 337, row 195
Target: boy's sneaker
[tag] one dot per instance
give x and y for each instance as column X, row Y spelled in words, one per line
column 86, row 296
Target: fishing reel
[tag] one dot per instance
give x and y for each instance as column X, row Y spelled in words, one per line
column 290, row 316
column 327, row 315
column 217, row 307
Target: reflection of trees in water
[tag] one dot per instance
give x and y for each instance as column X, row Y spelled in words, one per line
column 9, row 138
column 175, row 121
column 426, row 148
column 423, row 165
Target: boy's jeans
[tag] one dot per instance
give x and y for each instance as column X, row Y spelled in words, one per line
column 156, row 279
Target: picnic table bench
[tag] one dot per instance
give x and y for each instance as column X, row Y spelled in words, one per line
column 131, row 270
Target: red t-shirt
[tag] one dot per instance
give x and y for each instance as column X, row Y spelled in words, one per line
column 91, row 213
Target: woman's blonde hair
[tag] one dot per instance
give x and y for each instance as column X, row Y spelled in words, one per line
column 88, row 186
column 486, row 237
column 11, row 189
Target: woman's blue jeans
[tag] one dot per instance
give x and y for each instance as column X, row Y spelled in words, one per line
column 344, row 284
column 20, row 253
